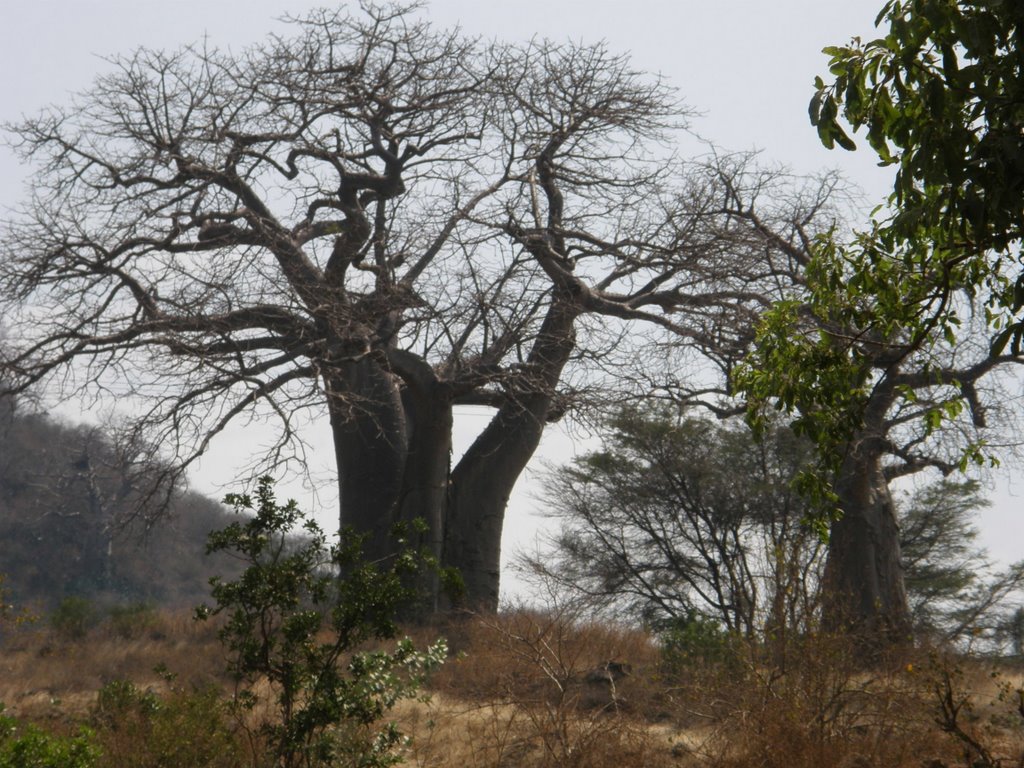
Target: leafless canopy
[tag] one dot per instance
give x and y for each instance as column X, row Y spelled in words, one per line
column 210, row 230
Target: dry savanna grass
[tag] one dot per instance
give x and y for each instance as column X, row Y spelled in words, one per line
column 534, row 689
column 44, row 675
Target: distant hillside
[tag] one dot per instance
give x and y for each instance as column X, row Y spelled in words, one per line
column 70, row 522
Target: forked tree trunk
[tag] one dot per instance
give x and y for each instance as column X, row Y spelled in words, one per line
column 393, row 447
column 393, row 450
column 864, row 590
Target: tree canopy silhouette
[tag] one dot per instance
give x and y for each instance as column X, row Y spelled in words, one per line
column 372, row 219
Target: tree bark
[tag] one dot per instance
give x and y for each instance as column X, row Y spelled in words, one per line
column 864, row 591
column 480, row 489
column 425, row 481
column 369, row 429
column 484, row 478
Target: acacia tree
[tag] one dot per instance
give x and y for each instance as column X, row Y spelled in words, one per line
column 373, row 219
column 679, row 516
column 956, row 595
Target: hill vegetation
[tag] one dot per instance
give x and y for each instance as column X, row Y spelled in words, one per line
column 73, row 524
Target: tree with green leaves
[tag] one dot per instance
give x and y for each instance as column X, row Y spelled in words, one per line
column 940, row 95
column 294, row 623
column 924, row 300
column 875, row 415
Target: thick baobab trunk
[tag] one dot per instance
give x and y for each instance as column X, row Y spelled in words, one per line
column 425, row 481
column 484, row 478
column 393, row 447
column 864, row 587
column 369, row 430
column 393, row 443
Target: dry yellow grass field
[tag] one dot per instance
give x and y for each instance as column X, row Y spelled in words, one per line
column 528, row 689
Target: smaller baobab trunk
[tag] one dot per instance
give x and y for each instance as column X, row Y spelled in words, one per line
column 864, row 591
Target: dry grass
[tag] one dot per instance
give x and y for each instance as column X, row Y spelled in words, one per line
column 483, row 735
column 516, row 693
column 533, row 656
column 43, row 676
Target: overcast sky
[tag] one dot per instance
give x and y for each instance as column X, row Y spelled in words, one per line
column 745, row 65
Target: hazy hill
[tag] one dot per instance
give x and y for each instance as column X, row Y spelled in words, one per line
column 70, row 522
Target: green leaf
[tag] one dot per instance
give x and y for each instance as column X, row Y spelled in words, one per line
column 814, row 108
column 826, row 136
column 844, row 140
column 1000, row 341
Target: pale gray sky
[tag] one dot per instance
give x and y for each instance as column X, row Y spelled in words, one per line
column 746, row 65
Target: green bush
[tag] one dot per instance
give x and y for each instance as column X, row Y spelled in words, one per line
column 120, row 698
column 694, row 642
column 133, row 620
column 25, row 746
column 294, row 621
column 140, row 729
column 73, row 618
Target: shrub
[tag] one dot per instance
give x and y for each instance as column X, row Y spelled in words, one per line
column 823, row 707
column 295, row 619
column 183, row 728
column 694, row 643
column 25, row 746
column 133, row 620
column 73, row 618
column 11, row 616
column 119, row 698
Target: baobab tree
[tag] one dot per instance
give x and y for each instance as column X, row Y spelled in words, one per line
column 651, row 528
column 934, row 272
column 371, row 220
column 884, row 407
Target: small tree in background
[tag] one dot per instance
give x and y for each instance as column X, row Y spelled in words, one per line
column 295, row 619
column 680, row 518
column 954, row 592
